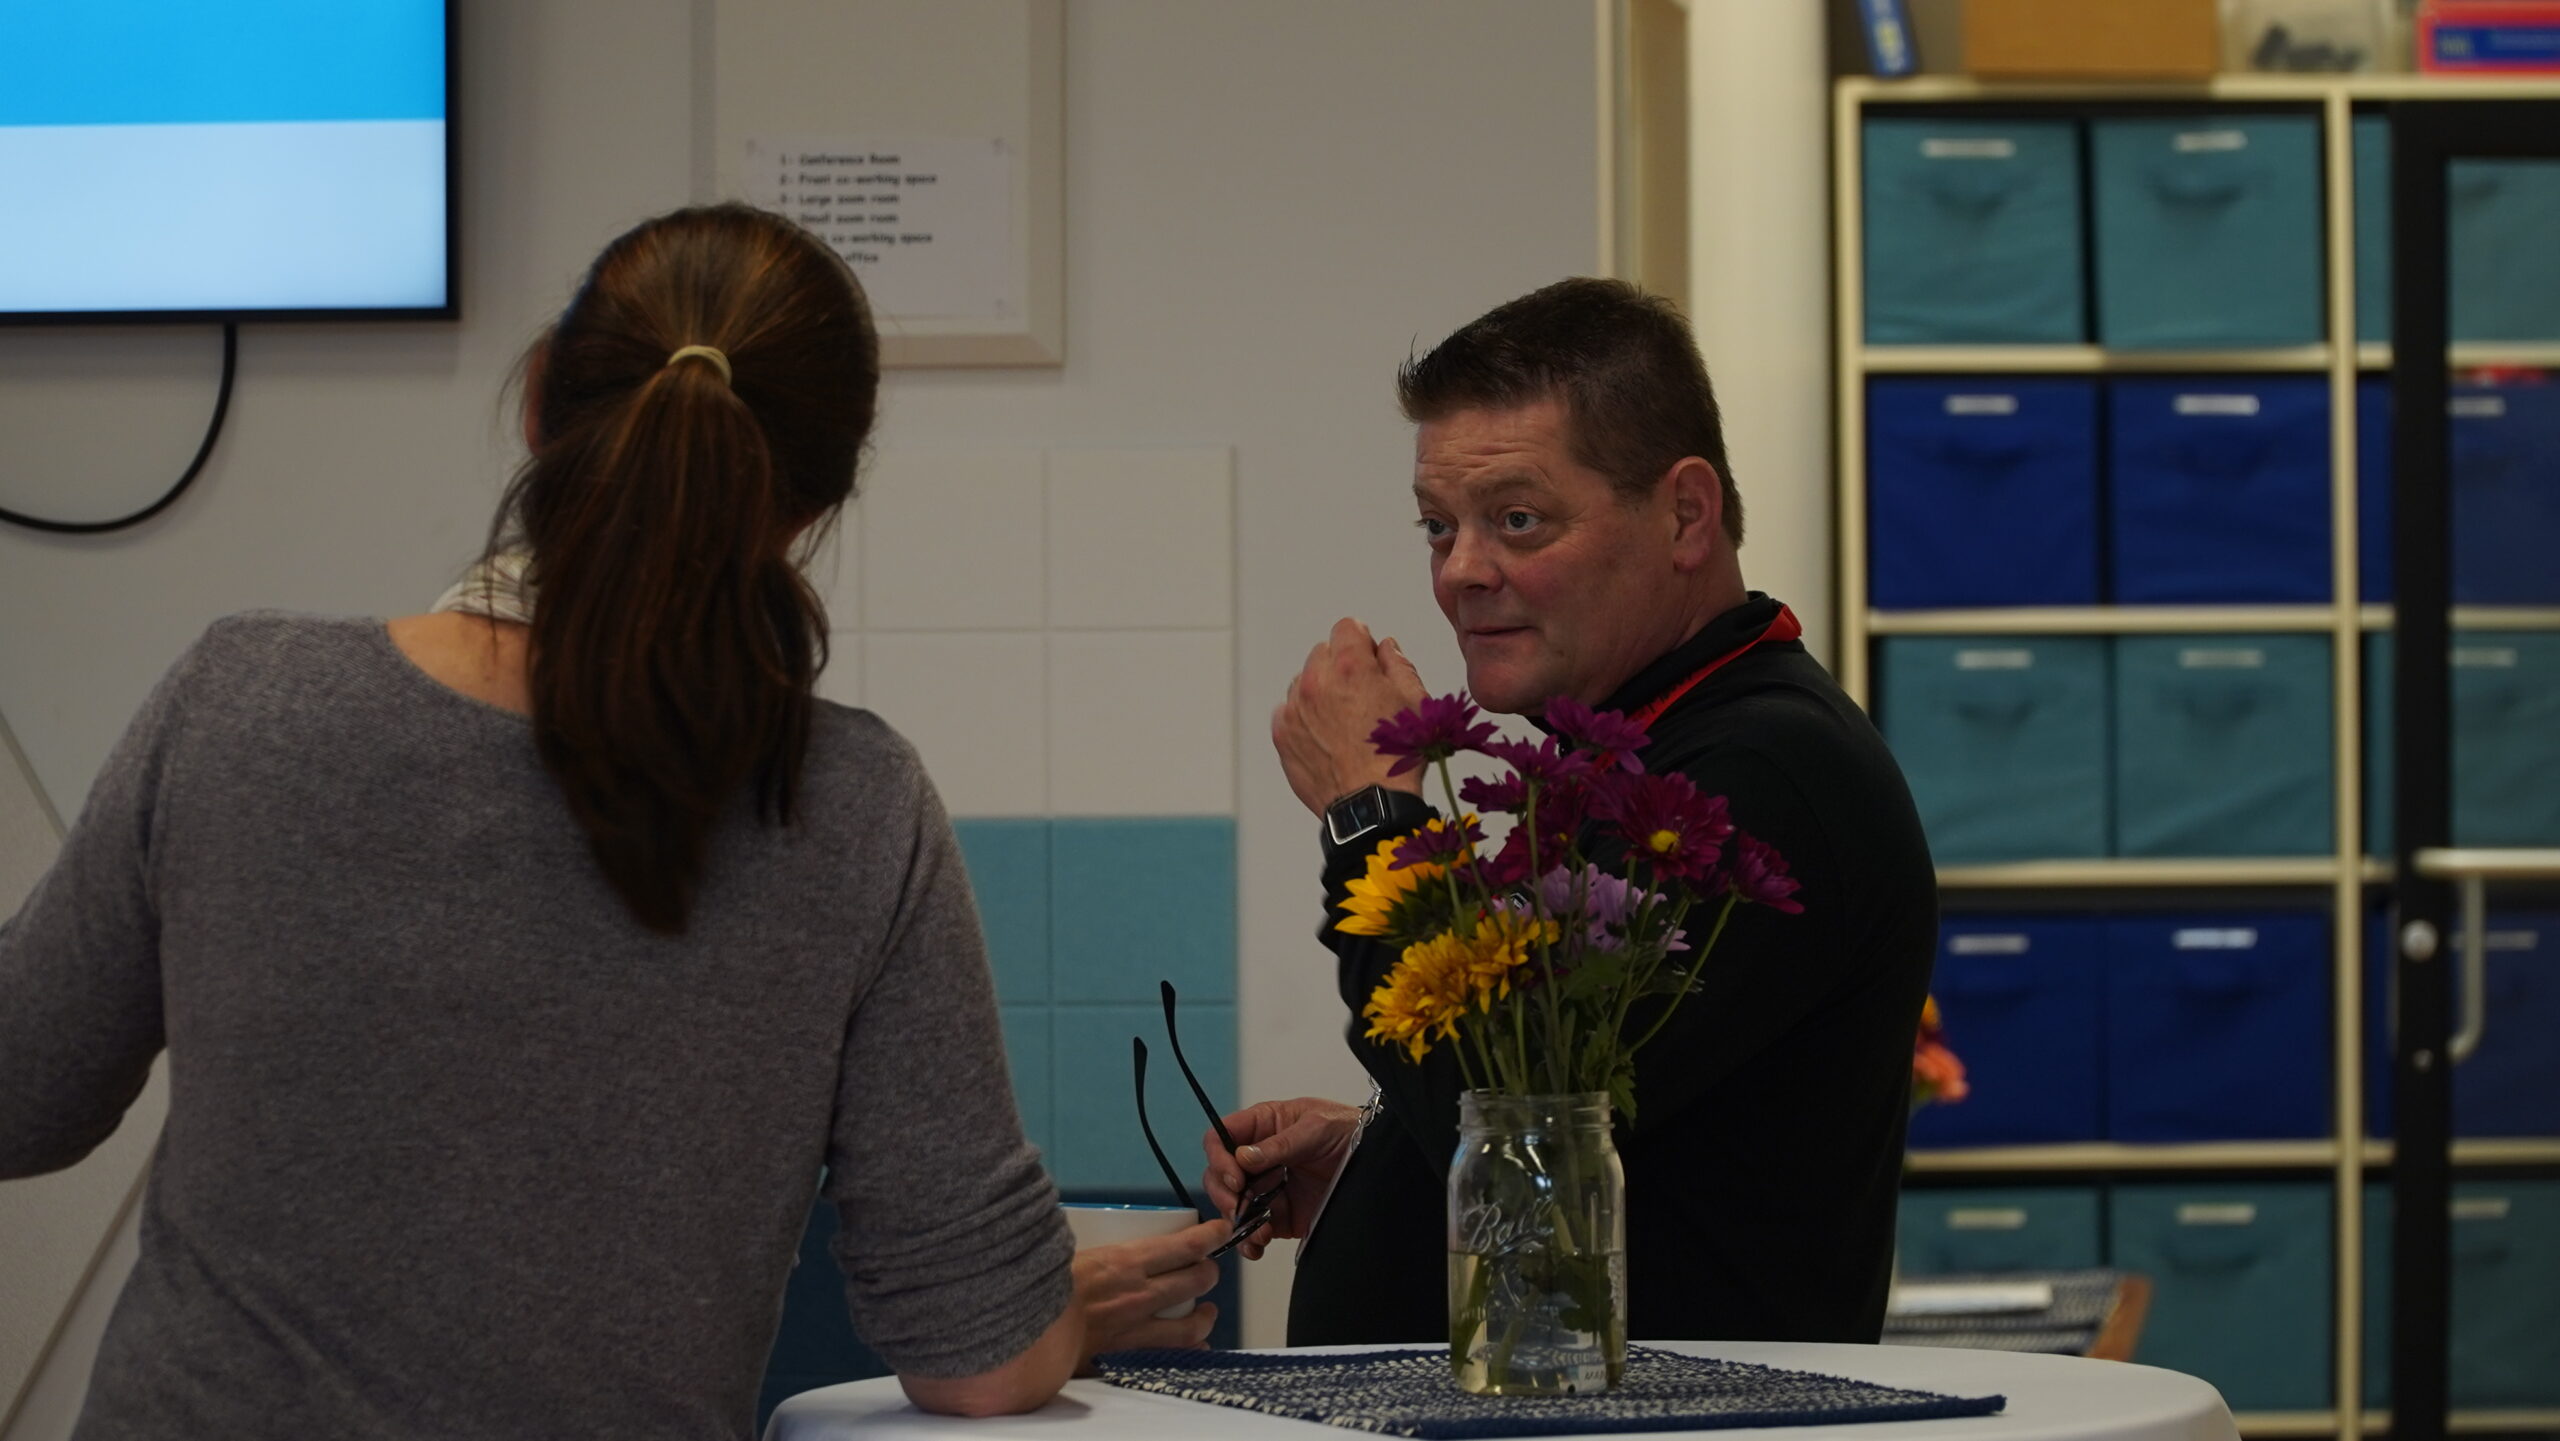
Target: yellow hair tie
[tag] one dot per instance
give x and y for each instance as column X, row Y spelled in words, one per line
column 709, row 353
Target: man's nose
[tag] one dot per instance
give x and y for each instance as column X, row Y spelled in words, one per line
column 1469, row 565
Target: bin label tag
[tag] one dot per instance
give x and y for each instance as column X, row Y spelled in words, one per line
column 2479, row 1208
column 1973, row 147
column 2236, row 1213
column 2002, row 945
column 2216, row 405
column 2241, row 657
column 2193, row 142
column 1982, row 405
column 2225, row 938
column 2016, row 658
column 1987, row 1218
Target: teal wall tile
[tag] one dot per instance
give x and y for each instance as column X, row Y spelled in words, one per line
column 1026, row 1049
column 1009, row 874
column 1094, row 1116
column 1138, row 900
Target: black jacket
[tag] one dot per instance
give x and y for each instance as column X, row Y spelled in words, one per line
column 1766, row 1157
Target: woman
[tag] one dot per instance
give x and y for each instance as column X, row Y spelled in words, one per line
column 518, row 979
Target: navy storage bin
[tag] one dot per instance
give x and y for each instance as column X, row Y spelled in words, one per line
column 2241, row 1288
column 2511, row 1085
column 1973, row 232
column 2373, row 227
column 1982, row 492
column 2506, row 1312
column 2218, row 1027
column 2020, row 997
column 2222, row 745
column 2004, row 742
column 2373, row 490
column 2503, row 272
column 2208, row 231
column 2027, row 1228
column 2218, row 489
column 2506, row 494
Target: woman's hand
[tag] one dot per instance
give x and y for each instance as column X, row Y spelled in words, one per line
column 1311, row 1136
column 1121, row 1287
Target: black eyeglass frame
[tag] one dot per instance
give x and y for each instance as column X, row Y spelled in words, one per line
column 1255, row 1210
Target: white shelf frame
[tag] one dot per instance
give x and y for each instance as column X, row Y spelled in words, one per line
column 2346, row 871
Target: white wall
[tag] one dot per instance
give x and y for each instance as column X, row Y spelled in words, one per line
column 1269, row 203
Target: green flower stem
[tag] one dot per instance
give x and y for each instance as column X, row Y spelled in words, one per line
column 1688, row 977
column 1546, row 953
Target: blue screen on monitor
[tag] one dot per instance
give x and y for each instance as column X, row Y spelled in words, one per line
column 170, row 158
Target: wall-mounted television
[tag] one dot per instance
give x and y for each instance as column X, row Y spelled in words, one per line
column 177, row 160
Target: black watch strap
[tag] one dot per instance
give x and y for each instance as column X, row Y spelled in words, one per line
column 1366, row 814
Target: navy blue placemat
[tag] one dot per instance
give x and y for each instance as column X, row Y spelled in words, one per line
column 1409, row 1393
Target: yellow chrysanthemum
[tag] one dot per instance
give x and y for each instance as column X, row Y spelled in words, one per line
column 1421, row 1000
column 1502, row 943
column 1370, row 908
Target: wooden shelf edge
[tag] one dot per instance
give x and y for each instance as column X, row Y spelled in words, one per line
column 2286, row 1423
column 2214, row 871
column 2112, row 1156
column 2085, row 360
column 2107, row 620
column 2482, row 1152
column 2306, row 89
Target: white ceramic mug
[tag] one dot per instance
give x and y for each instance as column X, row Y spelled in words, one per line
column 1106, row 1225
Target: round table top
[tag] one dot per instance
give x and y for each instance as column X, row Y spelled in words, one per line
column 2051, row 1398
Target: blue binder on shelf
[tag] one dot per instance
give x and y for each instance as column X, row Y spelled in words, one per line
column 1972, row 232
column 2222, row 745
column 2218, row 1027
column 2219, row 490
column 2021, row 998
column 1982, row 492
column 2003, row 740
column 2208, row 231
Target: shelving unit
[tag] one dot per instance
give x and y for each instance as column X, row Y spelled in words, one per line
column 2346, row 872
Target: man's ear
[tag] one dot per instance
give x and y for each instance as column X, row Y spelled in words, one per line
column 1696, row 494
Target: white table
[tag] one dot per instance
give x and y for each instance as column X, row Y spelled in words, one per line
column 2051, row 1398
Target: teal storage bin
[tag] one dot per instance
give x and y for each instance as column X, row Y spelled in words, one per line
column 2026, row 1228
column 2503, row 274
column 2208, row 231
column 2241, row 1288
column 1973, row 232
column 2503, row 269
column 2222, row 745
column 2506, row 1295
column 2004, row 742
column 2506, row 739
column 2372, row 136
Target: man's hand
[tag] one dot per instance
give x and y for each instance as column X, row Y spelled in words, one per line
column 1321, row 730
column 1310, row 1135
column 1120, row 1288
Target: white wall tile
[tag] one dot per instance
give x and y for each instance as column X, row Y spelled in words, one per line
column 1142, row 538
column 951, row 540
column 971, row 706
column 841, row 681
column 1142, row 723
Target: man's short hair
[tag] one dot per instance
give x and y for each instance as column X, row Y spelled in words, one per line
column 1623, row 362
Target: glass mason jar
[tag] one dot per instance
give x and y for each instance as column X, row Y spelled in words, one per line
column 1537, row 1247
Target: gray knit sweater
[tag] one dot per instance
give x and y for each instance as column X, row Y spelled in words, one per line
column 456, row 1148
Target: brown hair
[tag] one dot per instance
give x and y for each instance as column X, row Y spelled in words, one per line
column 674, row 642
column 1636, row 396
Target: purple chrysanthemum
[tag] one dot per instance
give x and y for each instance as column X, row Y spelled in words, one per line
column 1434, row 729
column 1541, row 762
column 1605, row 731
column 1500, row 795
column 1437, row 844
column 1670, row 827
column 1759, row 875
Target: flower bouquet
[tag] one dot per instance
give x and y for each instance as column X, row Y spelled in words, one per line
column 1936, row 1075
column 1543, row 966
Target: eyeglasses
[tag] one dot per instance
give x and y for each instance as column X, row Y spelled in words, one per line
column 1255, row 1209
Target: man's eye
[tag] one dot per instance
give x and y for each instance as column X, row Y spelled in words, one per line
column 1433, row 529
column 1517, row 521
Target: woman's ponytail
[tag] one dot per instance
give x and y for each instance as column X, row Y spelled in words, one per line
column 674, row 642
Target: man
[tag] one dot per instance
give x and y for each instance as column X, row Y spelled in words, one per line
column 1569, row 470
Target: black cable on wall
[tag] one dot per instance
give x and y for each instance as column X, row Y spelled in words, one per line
column 195, row 467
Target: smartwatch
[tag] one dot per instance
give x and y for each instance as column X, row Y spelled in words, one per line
column 1355, row 815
